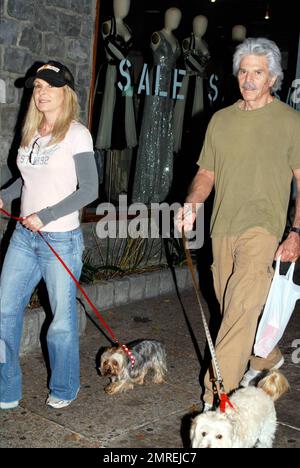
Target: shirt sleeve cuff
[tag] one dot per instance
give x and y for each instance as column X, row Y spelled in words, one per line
column 46, row 216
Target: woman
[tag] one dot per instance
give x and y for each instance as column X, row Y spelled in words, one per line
column 59, row 177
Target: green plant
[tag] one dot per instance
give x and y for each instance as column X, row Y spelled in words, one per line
column 175, row 251
column 119, row 257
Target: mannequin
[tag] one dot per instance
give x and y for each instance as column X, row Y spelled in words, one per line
column 121, row 10
column 200, row 24
column 196, row 57
column 172, row 20
column 238, row 33
column 231, row 91
column 117, row 128
column 154, row 168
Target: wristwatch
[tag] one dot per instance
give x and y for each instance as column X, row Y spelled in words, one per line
column 295, row 229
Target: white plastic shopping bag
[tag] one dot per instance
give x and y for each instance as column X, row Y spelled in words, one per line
column 279, row 307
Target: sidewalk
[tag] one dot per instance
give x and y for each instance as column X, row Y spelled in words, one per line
column 150, row 416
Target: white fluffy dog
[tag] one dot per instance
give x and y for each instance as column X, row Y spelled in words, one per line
column 251, row 423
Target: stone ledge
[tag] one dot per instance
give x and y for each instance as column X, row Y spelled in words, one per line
column 108, row 294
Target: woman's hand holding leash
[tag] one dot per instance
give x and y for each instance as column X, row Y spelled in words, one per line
column 32, row 222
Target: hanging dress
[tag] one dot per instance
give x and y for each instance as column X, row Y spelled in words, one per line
column 192, row 89
column 154, row 167
column 117, row 126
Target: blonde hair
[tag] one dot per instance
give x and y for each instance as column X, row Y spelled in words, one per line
column 34, row 119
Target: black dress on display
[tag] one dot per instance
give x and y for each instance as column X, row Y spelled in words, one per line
column 192, row 106
column 117, row 126
column 154, row 168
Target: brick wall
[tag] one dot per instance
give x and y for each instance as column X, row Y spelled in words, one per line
column 36, row 31
column 33, row 31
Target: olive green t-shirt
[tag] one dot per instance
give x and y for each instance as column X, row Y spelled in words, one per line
column 252, row 154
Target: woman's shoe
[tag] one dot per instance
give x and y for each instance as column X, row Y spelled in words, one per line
column 10, row 405
column 57, row 403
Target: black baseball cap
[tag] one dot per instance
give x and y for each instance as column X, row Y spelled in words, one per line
column 55, row 73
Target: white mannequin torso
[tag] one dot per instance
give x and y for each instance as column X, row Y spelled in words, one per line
column 200, row 45
column 116, row 134
column 122, row 29
column 172, row 21
column 238, row 33
column 121, row 10
column 169, row 36
column 200, row 23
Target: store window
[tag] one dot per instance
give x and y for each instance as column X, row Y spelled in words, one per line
column 162, row 68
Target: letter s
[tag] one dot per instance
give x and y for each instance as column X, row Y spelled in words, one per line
column 213, row 87
column 124, row 65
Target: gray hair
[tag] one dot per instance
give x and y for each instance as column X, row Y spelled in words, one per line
column 261, row 46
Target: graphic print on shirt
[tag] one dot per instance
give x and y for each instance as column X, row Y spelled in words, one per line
column 36, row 154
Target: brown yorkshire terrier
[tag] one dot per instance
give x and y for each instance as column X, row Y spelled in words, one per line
column 115, row 363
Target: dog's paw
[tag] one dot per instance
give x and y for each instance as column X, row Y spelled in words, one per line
column 159, row 379
column 111, row 389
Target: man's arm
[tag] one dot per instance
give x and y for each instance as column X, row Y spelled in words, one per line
column 200, row 190
column 201, row 187
column 290, row 248
column 297, row 214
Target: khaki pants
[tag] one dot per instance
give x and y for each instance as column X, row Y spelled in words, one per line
column 242, row 272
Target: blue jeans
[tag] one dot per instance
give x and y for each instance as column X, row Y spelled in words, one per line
column 29, row 259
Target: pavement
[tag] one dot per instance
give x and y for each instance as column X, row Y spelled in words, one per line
column 149, row 416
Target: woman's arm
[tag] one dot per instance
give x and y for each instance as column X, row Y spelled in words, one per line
column 12, row 192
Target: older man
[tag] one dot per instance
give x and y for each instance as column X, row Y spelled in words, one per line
column 250, row 154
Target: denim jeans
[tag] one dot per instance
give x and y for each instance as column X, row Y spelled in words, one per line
column 29, row 259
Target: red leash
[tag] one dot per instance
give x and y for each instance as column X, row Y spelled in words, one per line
column 10, row 216
column 127, row 351
column 225, row 401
